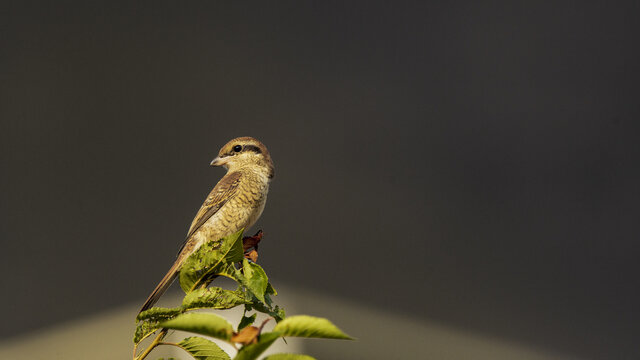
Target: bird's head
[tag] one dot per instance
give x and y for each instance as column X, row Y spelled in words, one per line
column 244, row 151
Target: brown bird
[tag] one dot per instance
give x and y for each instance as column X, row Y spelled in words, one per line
column 235, row 202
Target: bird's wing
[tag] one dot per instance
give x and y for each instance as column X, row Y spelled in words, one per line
column 224, row 190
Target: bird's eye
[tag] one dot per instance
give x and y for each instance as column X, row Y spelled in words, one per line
column 237, row 148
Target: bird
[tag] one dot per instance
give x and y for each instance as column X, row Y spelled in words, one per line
column 236, row 202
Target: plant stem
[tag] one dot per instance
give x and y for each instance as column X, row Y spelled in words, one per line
column 155, row 343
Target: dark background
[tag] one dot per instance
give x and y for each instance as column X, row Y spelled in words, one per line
column 473, row 164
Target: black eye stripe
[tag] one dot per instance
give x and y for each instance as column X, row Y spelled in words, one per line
column 238, row 148
column 253, row 148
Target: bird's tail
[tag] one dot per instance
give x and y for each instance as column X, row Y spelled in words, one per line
column 164, row 284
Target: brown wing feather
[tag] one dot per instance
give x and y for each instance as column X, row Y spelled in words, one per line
column 224, row 190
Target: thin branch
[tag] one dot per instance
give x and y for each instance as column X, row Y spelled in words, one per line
column 155, row 343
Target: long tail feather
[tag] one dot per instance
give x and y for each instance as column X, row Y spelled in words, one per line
column 164, row 284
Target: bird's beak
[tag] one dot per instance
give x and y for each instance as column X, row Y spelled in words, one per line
column 219, row 161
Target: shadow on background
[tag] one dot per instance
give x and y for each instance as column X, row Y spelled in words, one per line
column 470, row 164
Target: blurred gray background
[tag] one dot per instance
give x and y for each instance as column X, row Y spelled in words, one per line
column 470, row 163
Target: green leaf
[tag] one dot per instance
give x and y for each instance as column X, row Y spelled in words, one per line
column 228, row 270
column 309, row 326
column 289, row 357
column 215, row 298
column 159, row 314
column 209, row 258
column 203, row 349
column 254, row 279
column 267, row 299
column 199, row 323
column 143, row 329
column 276, row 312
column 246, row 321
column 271, row 290
column 251, row 352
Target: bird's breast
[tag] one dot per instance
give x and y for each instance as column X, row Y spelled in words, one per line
column 241, row 211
